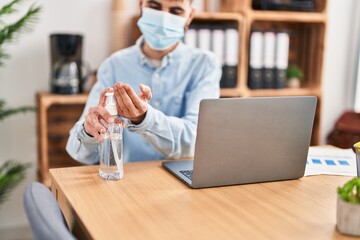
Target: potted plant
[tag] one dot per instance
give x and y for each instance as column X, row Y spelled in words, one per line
column 294, row 75
column 348, row 208
column 11, row 172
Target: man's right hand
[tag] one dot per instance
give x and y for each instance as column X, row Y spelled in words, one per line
column 97, row 119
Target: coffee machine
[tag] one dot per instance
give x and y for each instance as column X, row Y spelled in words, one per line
column 67, row 72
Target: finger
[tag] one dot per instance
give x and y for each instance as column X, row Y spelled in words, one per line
column 128, row 105
column 92, row 131
column 95, row 124
column 100, row 112
column 102, row 99
column 119, row 121
column 98, row 129
column 146, row 94
column 122, row 110
column 137, row 102
column 126, row 98
column 104, row 123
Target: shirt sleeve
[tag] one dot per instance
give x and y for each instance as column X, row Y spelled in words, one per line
column 80, row 146
column 175, row 137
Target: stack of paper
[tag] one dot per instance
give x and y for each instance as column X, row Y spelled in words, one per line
column 330, row 161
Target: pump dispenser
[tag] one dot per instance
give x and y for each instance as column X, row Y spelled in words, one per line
column 111, row 156
column 110, row 105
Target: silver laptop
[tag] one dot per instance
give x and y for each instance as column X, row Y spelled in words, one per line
column 249, row 140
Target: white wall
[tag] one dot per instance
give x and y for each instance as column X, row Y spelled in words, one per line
column 28, row 70
column 357, row 62
column 339, row 66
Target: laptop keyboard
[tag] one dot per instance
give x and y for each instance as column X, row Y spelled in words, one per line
column 187, row 173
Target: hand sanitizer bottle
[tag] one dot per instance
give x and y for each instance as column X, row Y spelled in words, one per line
column 111, row 154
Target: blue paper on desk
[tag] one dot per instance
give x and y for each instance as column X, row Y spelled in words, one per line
column 330, row 161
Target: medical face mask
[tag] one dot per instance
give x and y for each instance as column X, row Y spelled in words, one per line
column 161, row 29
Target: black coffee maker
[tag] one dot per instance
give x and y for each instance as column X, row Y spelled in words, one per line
column 67, row 71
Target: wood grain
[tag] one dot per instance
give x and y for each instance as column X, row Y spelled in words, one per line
column 56, row 115
column 150, row 203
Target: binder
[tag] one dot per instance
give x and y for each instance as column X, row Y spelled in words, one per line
column 204, row 36
column 218, row 44
column 190, row 37
column 230, row 68
column 255, row 60
column 218, row 47
column 268, row 75
column 282, row 58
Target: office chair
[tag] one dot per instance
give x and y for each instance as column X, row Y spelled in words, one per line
column 44, row 214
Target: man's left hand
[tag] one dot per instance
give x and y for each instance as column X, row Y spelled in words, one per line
column 131, row 105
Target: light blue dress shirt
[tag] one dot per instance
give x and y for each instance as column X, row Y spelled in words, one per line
column 186, row 76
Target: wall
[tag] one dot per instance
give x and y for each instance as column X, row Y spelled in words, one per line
column 338, row 75
column 27, row 72
column 357, row 60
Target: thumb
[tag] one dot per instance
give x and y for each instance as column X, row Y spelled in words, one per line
column 102, row 99
column 145, row 93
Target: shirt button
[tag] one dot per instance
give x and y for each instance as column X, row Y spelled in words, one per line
column 156, row 104
column 156, row 75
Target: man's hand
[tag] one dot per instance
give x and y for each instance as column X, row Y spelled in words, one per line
column 97, row 119
column 131, row 105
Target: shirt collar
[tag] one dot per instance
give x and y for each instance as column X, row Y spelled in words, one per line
column 168, row 59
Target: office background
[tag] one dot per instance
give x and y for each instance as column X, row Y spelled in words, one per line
column 28, row 71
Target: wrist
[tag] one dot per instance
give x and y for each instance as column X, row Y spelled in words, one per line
column 138, row 120
column 84, row 129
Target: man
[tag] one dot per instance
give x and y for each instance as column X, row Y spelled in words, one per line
column 171, row 79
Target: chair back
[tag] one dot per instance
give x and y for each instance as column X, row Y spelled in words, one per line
column 44, row 214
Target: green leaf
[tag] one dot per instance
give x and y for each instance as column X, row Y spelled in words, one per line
column 11, row 174
column 293, row 71
column 11, row 111
column 10, row 32
column 9, row 8
column 350, row 192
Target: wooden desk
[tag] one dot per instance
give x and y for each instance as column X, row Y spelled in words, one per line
column 150, row 203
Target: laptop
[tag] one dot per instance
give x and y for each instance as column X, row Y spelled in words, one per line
column 248, row 140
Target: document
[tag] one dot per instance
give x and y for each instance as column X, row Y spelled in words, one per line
column 331, row 162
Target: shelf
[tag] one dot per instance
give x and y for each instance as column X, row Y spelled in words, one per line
column 48, row 99
column 246, row 6
column 306, row 46
column 281, row 92
column 218, row 16
column 283, row 16
column 229, row 92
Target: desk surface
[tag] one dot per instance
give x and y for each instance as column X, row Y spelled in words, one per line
column 150, row 203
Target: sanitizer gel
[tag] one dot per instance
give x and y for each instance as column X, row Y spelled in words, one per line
column 111, row 148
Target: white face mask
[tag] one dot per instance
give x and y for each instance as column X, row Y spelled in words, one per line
column 161, row 29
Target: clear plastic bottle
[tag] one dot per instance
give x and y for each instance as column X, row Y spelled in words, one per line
column 111, row 148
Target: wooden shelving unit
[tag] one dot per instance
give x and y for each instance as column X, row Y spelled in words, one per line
column 307, row 44
column 56, row 116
